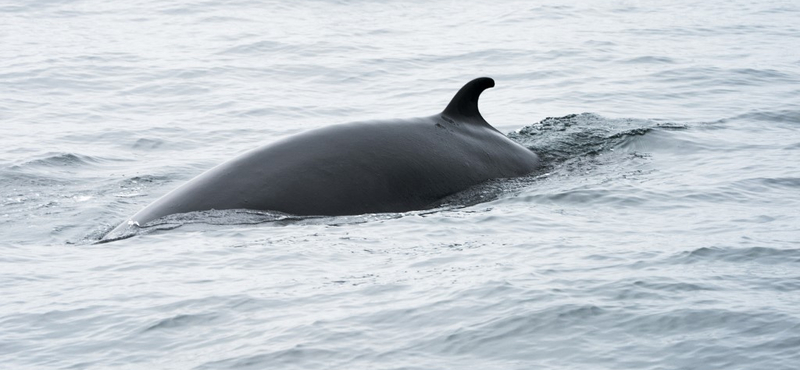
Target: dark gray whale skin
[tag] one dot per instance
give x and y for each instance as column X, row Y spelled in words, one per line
column 356, row 168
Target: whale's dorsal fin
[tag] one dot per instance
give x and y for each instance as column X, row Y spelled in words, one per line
column 465, row 104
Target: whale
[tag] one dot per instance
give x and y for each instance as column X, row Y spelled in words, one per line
column 381, row 166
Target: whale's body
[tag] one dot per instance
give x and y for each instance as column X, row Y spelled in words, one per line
column 357, row 168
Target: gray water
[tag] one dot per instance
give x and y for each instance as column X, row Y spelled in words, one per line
column 664, row 232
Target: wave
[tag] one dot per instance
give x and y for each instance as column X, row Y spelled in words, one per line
column 650, row 60
column 183, row 320
column 211, row 217
column 750, row 255
column 60, row 160
column 585, row 134
column 12, row 179
column 780, row 116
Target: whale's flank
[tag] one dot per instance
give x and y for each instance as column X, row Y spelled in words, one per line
column 357, row 168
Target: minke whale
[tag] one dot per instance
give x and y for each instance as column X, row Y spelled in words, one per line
column 356, row 168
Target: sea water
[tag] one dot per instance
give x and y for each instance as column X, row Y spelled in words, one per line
column 663, row 232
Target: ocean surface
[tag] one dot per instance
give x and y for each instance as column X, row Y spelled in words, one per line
column 662, row 233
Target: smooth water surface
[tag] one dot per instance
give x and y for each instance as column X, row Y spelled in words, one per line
column 664, row 232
